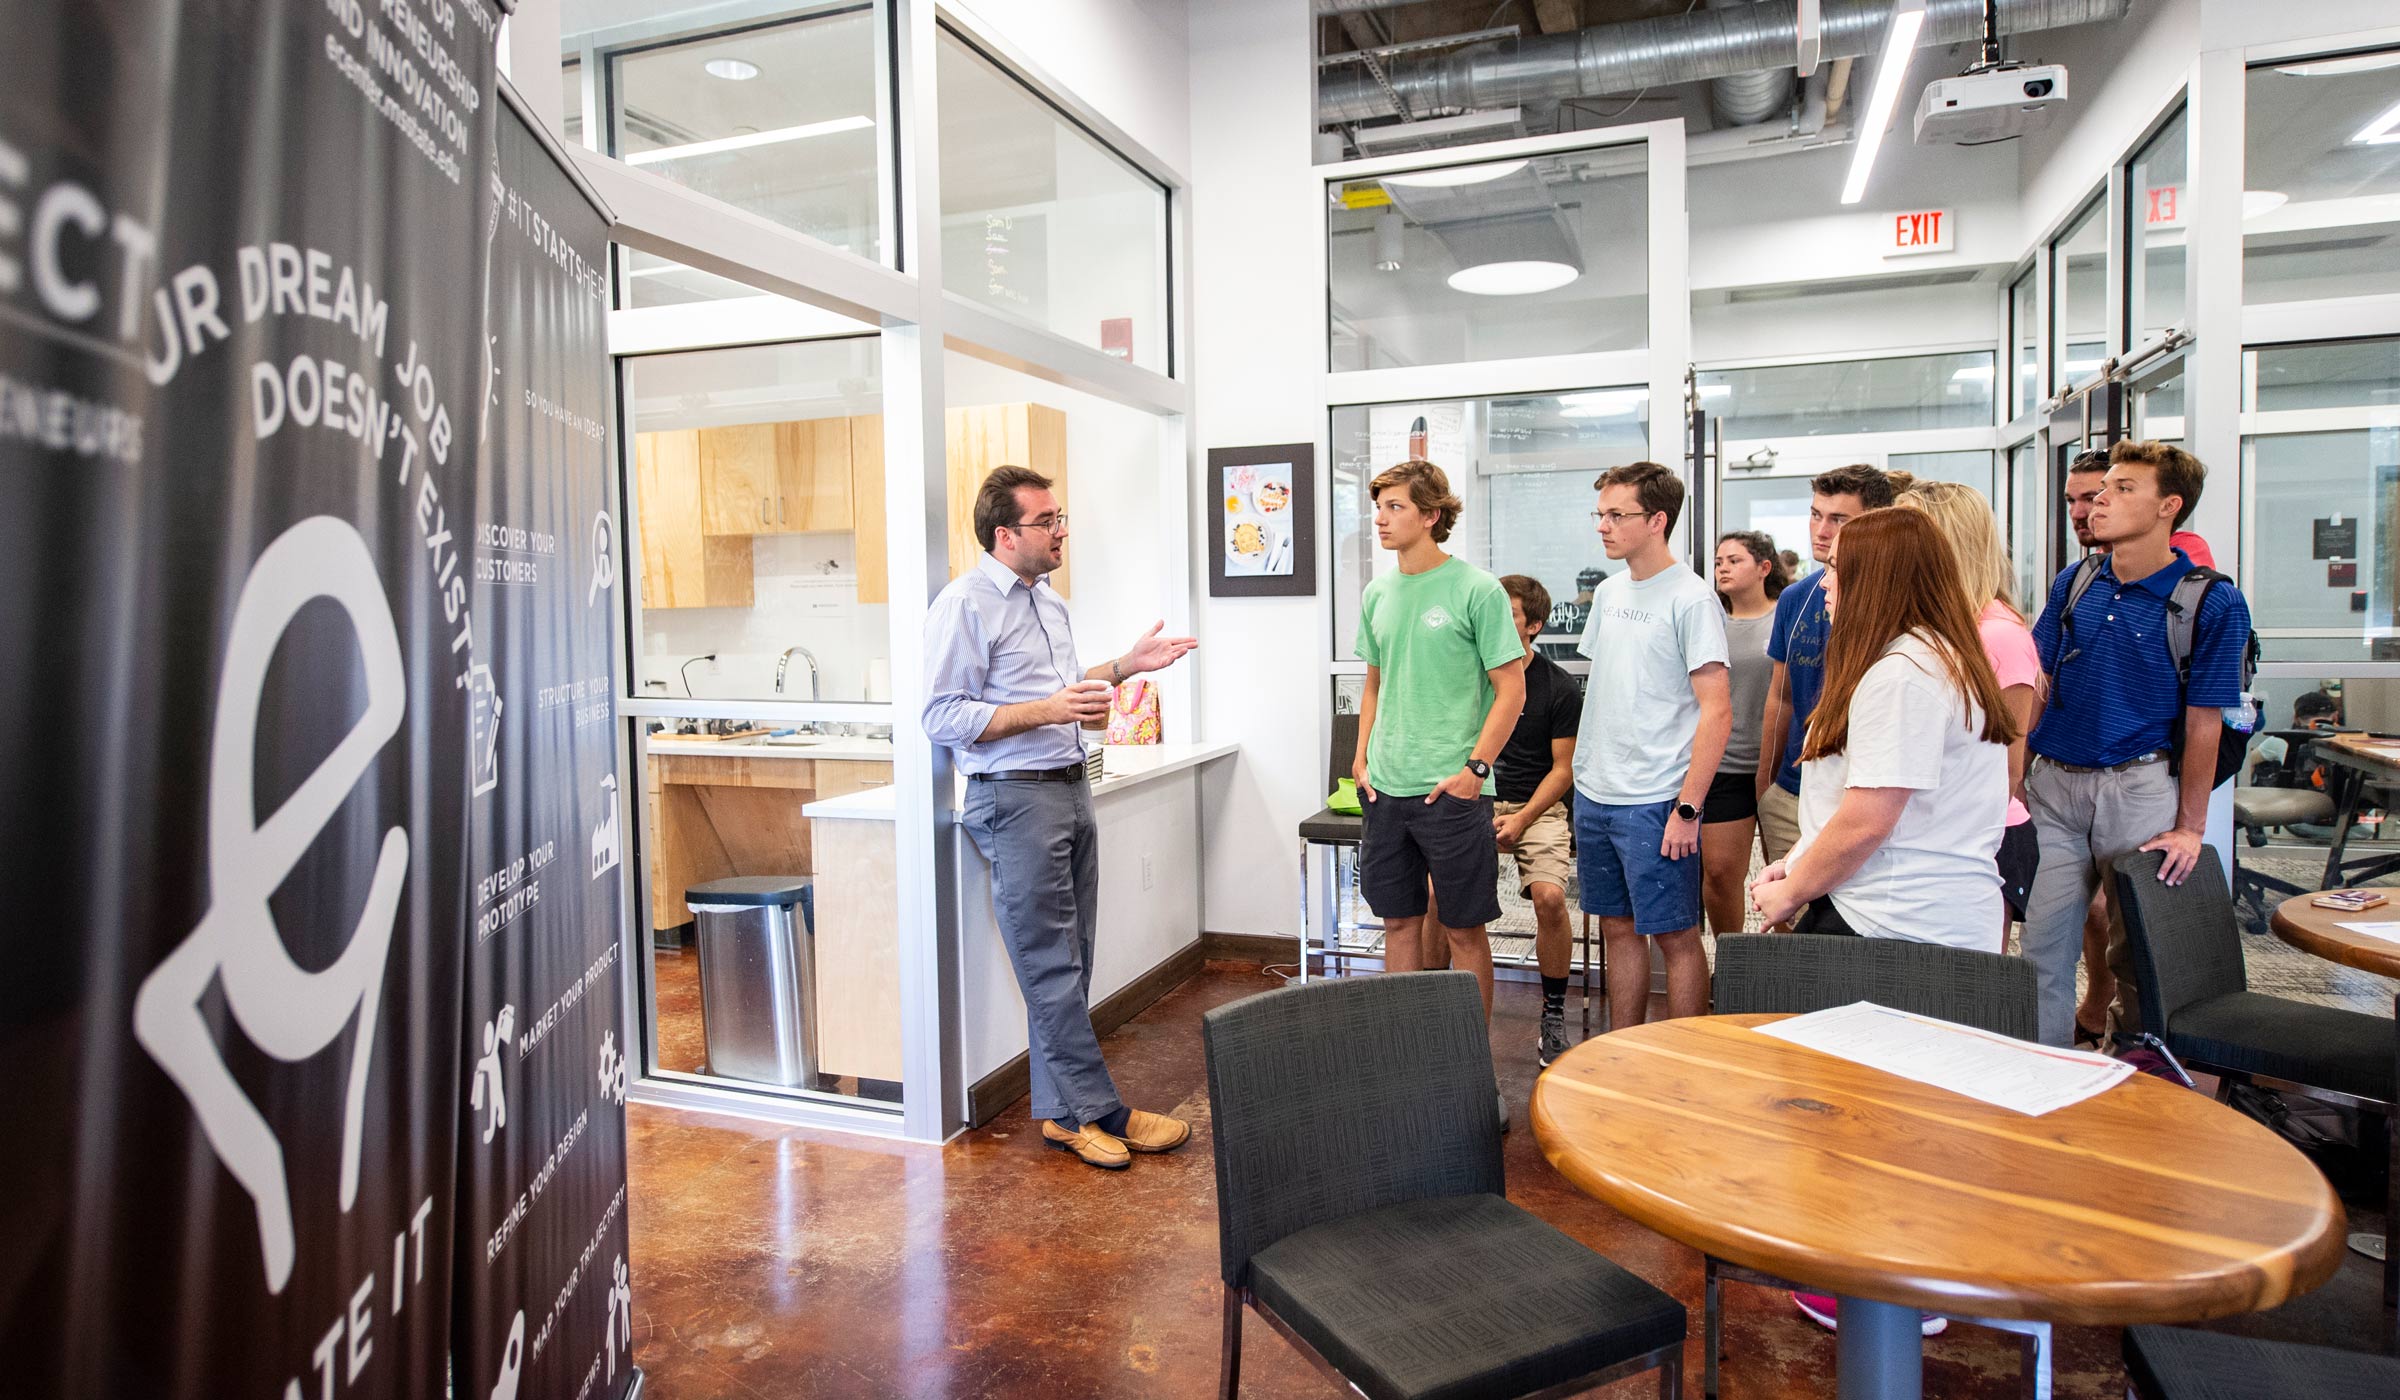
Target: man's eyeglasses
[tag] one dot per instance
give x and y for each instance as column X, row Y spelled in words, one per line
column 1619, row 517
column 1048, row 524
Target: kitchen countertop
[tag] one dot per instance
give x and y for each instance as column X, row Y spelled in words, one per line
column 840, row 748
column 1127, row 765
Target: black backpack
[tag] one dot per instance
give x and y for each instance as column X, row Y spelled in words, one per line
column 2183, row 619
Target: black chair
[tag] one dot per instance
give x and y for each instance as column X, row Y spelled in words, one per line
column 1361, row 1207
column 1329, row 828
column 2199, row 1012
column 2278, row 795
column 2179, row 1363
column 1798, row 973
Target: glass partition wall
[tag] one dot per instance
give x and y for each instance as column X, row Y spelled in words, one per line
column 1510, row 313
column 785, row 513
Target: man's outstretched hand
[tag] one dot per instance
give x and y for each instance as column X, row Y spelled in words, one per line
column 1154, row 652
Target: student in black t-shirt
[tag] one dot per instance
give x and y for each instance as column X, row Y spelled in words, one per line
column 1531, row 779
column 1535, row 771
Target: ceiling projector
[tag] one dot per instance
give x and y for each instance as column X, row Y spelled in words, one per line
column 1990, row 105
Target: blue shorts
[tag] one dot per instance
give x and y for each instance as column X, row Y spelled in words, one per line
column 1623, row 875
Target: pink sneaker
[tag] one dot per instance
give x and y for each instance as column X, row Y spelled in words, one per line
column 1825, row 1310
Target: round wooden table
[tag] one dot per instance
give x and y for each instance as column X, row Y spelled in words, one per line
column 2319, row 931
column 2146, row 1203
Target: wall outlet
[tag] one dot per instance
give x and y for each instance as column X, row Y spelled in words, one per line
column 1145, row 872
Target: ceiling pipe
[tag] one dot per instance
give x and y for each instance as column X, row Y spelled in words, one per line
column 1746, row 99
column 1696, row 46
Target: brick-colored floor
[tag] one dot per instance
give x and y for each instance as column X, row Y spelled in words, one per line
column 776, row 1263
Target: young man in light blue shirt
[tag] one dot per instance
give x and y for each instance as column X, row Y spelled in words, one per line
column 1657, row 708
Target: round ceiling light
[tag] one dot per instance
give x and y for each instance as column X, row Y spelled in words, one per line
column 1513, row 279
column 732, row 70
column 2257, row 202
column 1455, row 175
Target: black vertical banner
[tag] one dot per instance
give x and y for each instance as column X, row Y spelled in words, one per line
column 544, row 1295
column 243, row 669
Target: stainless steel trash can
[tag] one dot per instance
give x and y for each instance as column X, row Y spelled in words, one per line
column 758, row 977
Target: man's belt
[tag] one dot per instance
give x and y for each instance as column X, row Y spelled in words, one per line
column 2139, row 761
column 1072, row 774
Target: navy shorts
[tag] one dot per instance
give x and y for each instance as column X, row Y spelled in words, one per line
column 1622, row 873
column 1406, row 841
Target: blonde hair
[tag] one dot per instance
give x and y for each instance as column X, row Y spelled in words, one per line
column 1968, row 526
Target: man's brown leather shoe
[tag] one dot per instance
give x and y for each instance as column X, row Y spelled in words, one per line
column 1155, row 1132
column 1089, row 1143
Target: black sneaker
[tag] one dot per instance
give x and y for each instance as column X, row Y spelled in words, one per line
column 1553, row 1042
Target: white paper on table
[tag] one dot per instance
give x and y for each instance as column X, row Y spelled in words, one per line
column 2387, row 929
column 1995, row 1069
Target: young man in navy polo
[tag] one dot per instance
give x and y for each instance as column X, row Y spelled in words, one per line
column 1796, row 644
column 2099, row 785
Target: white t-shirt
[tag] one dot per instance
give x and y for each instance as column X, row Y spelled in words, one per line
column 1933, row 879
column 1645, row 639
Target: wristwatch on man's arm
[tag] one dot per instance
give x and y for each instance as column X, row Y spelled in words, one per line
column 1478, row 767
column 1687, row 811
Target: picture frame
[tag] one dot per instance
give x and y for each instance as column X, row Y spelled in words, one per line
column 1261, row 504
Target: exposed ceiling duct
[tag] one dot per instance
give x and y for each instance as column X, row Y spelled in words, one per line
column 1746, row 99
column 1696, row 46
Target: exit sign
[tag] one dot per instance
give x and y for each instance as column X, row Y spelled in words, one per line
column 2162, row 207
column 1922, row 231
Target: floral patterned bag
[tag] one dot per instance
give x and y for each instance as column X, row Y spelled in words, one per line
column 1133, row 714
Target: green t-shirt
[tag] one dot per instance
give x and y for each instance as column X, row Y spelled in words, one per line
column 1435, row 636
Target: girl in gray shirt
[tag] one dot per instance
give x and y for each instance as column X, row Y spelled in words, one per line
column 1749, row 573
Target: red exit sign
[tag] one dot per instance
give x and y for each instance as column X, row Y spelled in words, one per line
column 2163, row 207
column 1918, row 231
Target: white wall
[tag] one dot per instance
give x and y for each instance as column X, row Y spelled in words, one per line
column 1258, row 352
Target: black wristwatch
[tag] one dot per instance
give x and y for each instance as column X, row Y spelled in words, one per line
column 1479, row 768
column 1687, row 811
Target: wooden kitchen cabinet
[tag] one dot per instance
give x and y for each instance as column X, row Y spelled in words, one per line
column 684, row 563
column 992, row 435
column 740, row 488
column 812, row 472
column 872, row 545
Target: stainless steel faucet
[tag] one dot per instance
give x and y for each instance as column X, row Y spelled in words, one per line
column 786, row 660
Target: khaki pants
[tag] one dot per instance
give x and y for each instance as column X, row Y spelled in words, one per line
column 1778, row 822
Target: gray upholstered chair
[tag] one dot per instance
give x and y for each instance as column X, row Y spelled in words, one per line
column 1361, row 1208
column 2180, row 1363
column 1798, row 973
column 2198, row 1010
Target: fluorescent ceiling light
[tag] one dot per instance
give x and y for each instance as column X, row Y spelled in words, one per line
column 1899, row 45
column 1972, row 374
column 2080, row 366
column 755, row 138
column 2257, row 202
column 732, row 70
column 1455, row 175
column 2349, row 63
column 2383, row 131
column 1715, row 391
column 1513, row 279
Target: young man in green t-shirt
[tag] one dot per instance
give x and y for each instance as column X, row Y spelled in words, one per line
column 1445, row 680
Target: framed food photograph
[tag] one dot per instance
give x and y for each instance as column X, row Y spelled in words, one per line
column 1262, row 521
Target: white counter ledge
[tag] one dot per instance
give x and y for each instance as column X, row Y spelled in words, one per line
column 1126, row 765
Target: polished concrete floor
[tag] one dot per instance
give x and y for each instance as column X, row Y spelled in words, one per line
column 776, row 1262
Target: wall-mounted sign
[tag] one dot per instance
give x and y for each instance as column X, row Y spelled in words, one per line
column 2162, row 207
column 2335, row 538
column 1923, row 231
